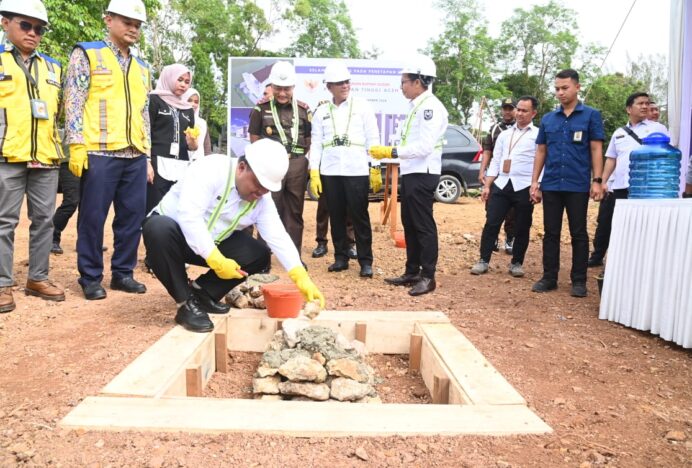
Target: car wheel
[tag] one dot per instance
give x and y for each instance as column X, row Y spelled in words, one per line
column 311, row 195
column 448, row 189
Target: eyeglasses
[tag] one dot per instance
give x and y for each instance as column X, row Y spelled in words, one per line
column 25, row 26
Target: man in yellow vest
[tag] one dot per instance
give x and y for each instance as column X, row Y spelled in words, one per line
column 29, row 146
column 107, row 128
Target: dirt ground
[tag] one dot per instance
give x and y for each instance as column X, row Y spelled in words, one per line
column 613, row 395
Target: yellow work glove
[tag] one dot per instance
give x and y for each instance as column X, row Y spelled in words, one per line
column 310, row 292
column 375, row 179
column 79, row 159
column 192, row 132
column 381, row 152
column 225, row 268
column 315, row 182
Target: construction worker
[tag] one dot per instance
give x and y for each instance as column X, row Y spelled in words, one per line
column 201, row 221
column 420, row 160
column 283, row 118
column 107, row 128
column 342, row 131
column 29, row 146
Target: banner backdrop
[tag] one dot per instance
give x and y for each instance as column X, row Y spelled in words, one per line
column 680, row 82
column 375, row 80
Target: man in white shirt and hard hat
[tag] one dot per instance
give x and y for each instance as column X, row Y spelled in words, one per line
column 342, row 131
column 420, row 159
column 201, row 221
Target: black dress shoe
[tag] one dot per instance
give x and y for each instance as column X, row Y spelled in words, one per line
column 352, row 252
column 93, row 291
column 191, row 316
column 366, row 271
column 208, row 304
column 407, row 279
column 56, row 249
column 320, row 251
column 423, row 286
column 339, row 265
column 544, row 285
column 594, row 262
column 128, row 284
column 578, row 290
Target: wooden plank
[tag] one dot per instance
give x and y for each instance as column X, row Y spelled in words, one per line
column 193, row 377
column 221, row 352
column 415, row 346
column 483, row 384
column 361, row 331
column 302, row 419
column 440, row 393
column 388, row 332
column 161, row 368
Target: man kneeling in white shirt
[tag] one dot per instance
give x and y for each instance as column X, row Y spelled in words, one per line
column 200, row 221
column 507, row 185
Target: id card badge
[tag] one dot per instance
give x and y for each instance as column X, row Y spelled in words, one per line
column 175, row 149
column 577, row 136
column 39, row 109
column 506, row 165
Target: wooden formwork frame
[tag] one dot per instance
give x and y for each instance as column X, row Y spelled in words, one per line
column 161, row 389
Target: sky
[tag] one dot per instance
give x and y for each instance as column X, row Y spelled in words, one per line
column 398, row 27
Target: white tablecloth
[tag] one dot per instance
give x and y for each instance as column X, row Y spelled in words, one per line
column 648, row 276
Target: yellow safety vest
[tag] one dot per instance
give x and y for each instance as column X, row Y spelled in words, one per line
column 24, row 138
column 113, row 111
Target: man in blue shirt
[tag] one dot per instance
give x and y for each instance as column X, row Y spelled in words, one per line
column 569, row 149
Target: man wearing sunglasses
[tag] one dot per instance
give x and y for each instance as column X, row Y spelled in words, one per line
column 107, row 128
column 29, row 146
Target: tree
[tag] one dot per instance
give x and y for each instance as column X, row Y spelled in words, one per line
column 608, row 94
column 327, row 30
column 652, row 72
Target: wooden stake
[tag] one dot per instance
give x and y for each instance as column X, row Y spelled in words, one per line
column 193, row 381
column 279, row 325
column 221, row 352
column 361, row 331
column 415, row 352
column 440, row 393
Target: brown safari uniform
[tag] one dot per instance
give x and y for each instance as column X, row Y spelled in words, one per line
column 291, row 198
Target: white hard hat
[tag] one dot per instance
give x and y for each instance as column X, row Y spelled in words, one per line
column 283, row 74
column 336, row 72
column 30, row 8
column 268, row 159
column 129, row 8
column 420, row 65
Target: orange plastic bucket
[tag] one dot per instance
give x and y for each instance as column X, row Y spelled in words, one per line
column 400, row 240
column 282, row 300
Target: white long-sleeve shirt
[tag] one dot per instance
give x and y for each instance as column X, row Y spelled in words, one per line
column 422, row 135
column 354, row 118
column 193, row 199
column 519, row 146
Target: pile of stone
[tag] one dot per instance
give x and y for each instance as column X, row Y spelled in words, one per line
column 248, row 294
column 313, row 363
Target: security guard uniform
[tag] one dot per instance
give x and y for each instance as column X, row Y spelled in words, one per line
column 270, row 119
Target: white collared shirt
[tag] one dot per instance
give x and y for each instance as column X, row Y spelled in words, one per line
column 422, row 151
column 355, row 118
column 622, row 144
column 519, row 146
column 193, row 199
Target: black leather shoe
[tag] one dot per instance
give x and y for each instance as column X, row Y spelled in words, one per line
column 320, row 251
column 595, row 262
column 56, row 249
column 407, row 279
column 93, row 291
column 191, row 317
column 128, row 284
column 366, row 271
column 423, row 286
column 208, row 304
column 339, row 265
column 352, row 252
column 544, row 285
column 578, row 290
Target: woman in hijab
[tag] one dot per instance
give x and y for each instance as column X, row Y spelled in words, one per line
column 172, row 131
column 203, row 140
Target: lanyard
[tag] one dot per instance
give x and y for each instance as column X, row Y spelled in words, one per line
column 29, row 76
column 409, row 120
column 348, row 123
column 512, row 146
column 176, row 124
column 230, row 183
column 280, row 128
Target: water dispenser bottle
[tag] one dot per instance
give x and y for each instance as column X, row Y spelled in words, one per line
column 655, row 168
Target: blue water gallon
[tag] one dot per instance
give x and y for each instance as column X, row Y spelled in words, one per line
column 655, row 168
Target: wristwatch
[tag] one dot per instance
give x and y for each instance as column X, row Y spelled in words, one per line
column 598, row 180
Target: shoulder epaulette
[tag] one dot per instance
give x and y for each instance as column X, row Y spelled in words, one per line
column 303, row 105
column 50, row 59
column 264, row 100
